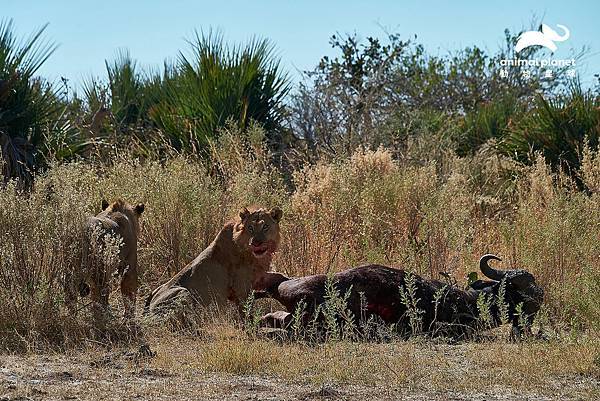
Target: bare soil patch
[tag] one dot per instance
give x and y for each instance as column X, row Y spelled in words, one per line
column 233, row 367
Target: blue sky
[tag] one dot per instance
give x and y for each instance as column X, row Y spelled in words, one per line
column 90, row 32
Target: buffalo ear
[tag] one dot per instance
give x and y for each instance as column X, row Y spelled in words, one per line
column 244, row 213
column 276, row 213
column 104, row 204
column 140, row 207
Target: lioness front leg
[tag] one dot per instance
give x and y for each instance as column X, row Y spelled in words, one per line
column 99, row 297
column 129, row 287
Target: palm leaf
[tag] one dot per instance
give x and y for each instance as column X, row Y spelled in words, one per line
column 28, row 105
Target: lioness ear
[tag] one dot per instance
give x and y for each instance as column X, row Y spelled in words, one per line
column 244, row 213
column 276, row 213
column 104, row 204
column 139, row 209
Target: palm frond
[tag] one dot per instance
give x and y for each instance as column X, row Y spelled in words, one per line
column 29, row 106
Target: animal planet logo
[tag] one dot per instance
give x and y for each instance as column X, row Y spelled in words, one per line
column 545, row 38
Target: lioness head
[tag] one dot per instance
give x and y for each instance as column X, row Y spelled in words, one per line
column 258, row 232
column 133, row 213
column 121, row 219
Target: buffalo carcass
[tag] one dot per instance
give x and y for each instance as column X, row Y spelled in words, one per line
column 381, row 292
column 519, row 291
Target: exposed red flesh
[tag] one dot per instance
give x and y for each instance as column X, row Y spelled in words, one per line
column 259, row 250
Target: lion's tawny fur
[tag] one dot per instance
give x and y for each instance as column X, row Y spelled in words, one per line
column 120, row 221
column 227, row 269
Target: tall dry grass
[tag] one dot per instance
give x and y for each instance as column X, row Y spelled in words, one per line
column 368, row 208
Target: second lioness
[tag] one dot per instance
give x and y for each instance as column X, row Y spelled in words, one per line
column 119, row 221
column 226, row 270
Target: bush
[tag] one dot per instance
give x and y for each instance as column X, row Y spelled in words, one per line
column 557, row 127
column 31, row 121
column 368, row 208
column 186, row 105
column 488, row 122
column 384, row 91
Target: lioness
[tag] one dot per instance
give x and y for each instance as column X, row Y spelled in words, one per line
column 118, row 221
column 227, row 269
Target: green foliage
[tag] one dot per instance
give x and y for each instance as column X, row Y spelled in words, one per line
column 345, row 99
column 501, row 303
column 410, row 300
column 484, row 311
column 218, row 83
column 437, row 297
column 250, row 315
column 339, row 320
column 472, row 277
column 487, row 121
column 381, row 91
column 557, row 127
column 95, row 95
column 30, row 110
column 521, row 317
column 187, row 104
column 126, row 90
column 370, row 93
column 297, row 323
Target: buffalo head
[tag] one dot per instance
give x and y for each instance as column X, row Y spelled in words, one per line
column 520, row 289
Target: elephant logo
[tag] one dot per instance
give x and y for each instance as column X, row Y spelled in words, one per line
column 545, row 38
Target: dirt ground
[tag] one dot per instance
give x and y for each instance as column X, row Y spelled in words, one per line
column 186, row 368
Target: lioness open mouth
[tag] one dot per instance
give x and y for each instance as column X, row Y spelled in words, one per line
column 260, row 250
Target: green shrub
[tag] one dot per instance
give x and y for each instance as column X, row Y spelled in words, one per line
column 126, row 90
column 217, row 83
column 487, row 121
column 559, row 128
column 31, row 121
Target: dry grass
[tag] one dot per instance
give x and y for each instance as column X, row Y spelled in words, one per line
column 225, row 363
column 418, row 364
column 369, row 208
